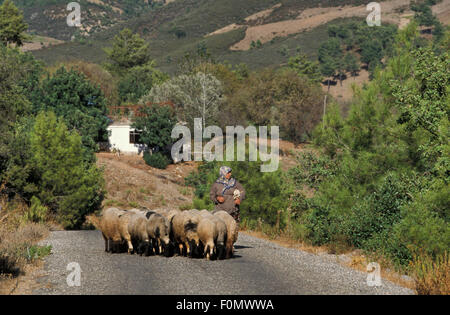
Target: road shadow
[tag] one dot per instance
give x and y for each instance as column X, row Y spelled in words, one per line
column 241, row 246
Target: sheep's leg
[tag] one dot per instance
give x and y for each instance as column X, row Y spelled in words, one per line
column 180, row 249
column 160, row 247
column 130, row 246
column 106, row 243
column 188, row 248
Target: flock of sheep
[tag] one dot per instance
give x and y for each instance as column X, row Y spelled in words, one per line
column 190, row 233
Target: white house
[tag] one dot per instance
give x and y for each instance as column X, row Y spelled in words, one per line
column 124, row 138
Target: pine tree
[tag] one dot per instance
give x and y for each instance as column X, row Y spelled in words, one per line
column 66, row 184
column 12, row 25
column 128, row 50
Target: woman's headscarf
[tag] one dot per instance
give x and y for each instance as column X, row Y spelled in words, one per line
column 227, row 183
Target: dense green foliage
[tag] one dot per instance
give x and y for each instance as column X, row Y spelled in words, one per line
column 336, row 56
column 128, row 50
column 12, row 24
column 157, row 159
column 41, row 161
column 383, row 182
column 138, row 81
column 156, row 123
column 19, row 76
column 71, row 95
column 65, row 182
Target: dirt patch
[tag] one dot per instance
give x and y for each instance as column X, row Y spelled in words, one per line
column 225, row 29
column 344, row 93
column 131, row 183
column 40, row 42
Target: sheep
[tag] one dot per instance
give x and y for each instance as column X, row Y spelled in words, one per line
column 207, row 234
column 108, row 225
column 212, row 232
column 124, row 220
column 221, row 228
column 137, row 228
column 184, row 231
column 232, row 231
column 205, row 213
column 158, row 228
column 177, row 230
column 114, row 227
column 192, row 219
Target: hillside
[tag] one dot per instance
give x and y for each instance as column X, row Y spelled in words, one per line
column 226, row 28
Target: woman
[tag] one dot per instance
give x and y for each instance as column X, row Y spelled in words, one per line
column 227, row 193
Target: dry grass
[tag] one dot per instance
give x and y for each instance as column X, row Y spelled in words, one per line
column 432, row 275
column 18, row 239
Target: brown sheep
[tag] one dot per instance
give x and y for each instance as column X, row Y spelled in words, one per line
column 109, row 222
column 232, row 231
column 137, row 228
column 158, row 228
column 124, row 221
column 221, row 229
column 184, row 231
column 207, row 234
column 114, row 227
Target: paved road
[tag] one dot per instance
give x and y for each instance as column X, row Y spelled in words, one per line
column 260, row 267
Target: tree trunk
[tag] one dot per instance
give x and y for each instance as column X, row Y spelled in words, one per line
column 325, row 104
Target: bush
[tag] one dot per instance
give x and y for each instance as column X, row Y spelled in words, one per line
column 62, row 180
column 432, row 275
column 37, row 212
column 69, row 94
column 156, row 159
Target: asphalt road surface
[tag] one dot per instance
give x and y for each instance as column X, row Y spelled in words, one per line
column 260, row 267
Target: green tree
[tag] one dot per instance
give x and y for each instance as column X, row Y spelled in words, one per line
column 19, row 77
column 351, row 64
column 331, row 58
column 138, row 81
column 305, row 67
column 372, row 52
column 71, row 95
column 12, row 25
column 423, row 14
column 156, row 123
column 68, row 185
column 128, row 50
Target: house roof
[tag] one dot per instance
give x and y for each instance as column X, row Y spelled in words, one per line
column 121, row 122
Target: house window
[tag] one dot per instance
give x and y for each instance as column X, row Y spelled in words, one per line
column 135, row 137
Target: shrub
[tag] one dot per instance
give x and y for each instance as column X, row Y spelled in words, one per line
column 156, row 159
column 63, row 181
column 432, row 275
column 37, row 212
column 69, row 94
